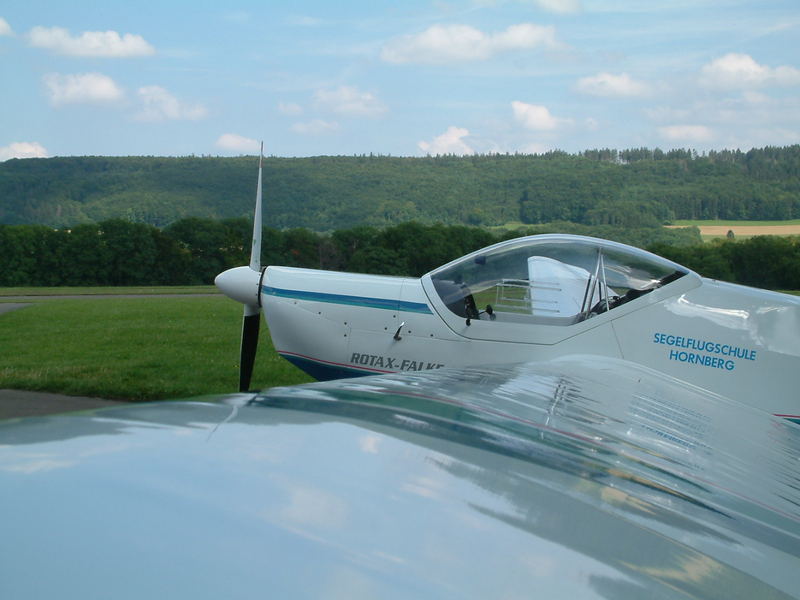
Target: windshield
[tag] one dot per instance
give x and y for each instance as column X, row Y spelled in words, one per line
column 560, row 279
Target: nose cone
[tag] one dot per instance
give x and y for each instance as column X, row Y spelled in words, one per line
column 240, row 284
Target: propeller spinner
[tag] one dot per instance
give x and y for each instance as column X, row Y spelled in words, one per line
column 243, row 284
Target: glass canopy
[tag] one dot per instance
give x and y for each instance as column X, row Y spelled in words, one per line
column 553, row 279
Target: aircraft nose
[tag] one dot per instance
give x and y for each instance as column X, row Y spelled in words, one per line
column 240, row 284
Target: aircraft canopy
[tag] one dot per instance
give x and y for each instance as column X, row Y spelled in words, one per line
column 558, row 279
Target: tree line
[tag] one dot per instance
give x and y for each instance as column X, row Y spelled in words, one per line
column 771, row 262
column 628, row 188
column 194, row 250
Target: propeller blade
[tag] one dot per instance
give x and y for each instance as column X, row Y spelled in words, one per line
column 251, row 322
column 255, row 249
column 243, row 284
column 251, row 319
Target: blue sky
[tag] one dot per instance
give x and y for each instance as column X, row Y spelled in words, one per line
column 403, row 78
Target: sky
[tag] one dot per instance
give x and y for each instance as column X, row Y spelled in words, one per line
column 400, row 78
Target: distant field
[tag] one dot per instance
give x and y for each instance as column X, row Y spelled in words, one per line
column 741, row 229
column 720, row 223
column 510, row 226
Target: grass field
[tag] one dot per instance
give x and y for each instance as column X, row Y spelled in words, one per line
column 133, row 348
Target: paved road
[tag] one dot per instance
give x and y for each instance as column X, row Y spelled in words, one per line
column 45, row 297
column 9, row 306
column 18, row 403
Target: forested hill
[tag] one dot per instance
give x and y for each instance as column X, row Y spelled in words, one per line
column 630, row 188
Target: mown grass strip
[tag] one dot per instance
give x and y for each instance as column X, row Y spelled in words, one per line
column 107, row 290
column 133, row 349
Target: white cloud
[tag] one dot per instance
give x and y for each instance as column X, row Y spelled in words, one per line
column 535, row 148
column 737, row 71
column 81, row 88
column 312, row 509
column 23, row 150
column 755, row 98
column 347, row 100
column 559, row 6
column 664, row 114
column 315, row 127
column 442, row 44
column 237, row 143
column 90, row 43
column 609, row 85
column 686, row 133
column 747, row 120
column 450, row 142
column 290, row 108
column 370, row 444
column 160, row 105
column 536, row 117
column 5, row 28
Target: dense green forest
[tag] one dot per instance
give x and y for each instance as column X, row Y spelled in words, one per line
column 630, row 188
column 195, row 250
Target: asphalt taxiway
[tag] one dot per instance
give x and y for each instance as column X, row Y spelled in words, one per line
column 19, row 403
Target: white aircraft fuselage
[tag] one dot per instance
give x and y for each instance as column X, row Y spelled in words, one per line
column 536, row 299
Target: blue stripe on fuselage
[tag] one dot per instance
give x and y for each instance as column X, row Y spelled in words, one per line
column 383, row 303
column 323, row 371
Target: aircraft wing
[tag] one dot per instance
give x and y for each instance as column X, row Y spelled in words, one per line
column 580, row 477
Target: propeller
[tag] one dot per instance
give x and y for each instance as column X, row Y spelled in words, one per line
column 243, row 284
column 251, row 322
